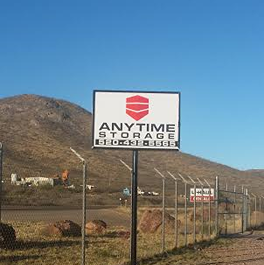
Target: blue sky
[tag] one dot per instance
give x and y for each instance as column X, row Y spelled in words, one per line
column 210, row 50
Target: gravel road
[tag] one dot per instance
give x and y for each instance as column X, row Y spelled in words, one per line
column 236, row 250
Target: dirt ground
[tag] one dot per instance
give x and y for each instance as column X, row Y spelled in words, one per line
column 113, row 217
column 235, row 250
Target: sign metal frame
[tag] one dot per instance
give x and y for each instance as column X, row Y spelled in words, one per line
column 136, row 147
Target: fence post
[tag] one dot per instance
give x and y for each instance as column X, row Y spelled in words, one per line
column 1, row 178
column 185, row 214
column 209, row 228
column 163, row 215
column 176, row 214
column 83, row 261
column 185, row 209
column 176, row 209
column 216, row 205
column 234, row 215
column 226, row 210
column 194, row 216
column 255, row 208
column 246, row 210
column 203, row 211
column 243, row 209
column 194, row 210
column 163, row 211
column 202, row 189
column 249, row 210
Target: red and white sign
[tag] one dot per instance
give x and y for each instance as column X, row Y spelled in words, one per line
column 202, row 195
column 136, row 120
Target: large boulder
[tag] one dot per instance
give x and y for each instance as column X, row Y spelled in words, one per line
column 64, row 228
column 96, row 227
column 151, row 221
column 7, row 236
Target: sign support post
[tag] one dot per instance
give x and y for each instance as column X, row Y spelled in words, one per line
column 133, row 238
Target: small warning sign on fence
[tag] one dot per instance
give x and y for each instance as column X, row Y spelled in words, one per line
column 204, row 194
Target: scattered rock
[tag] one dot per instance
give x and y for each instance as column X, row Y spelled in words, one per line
column 123, row 234
column 96, row 227
column 151, row 221
column 64, row 228
column 7, row 235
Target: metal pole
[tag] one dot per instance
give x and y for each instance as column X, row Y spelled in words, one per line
column 202, row 187
column 246, row 204
column 226, row 216
column 133, row 238
column 185, row 214
column 243, row 209
column 163, row 216
column 194, row 216
column 209, row 227
column 234, row 215
column 249, row 212
column 84, row 213
column 83, row 203
column 176, row 214
column 176, row 210
column 209, row 230
column 163, row 211
column 216, row 205
column 194, row 211
column 255, row 208
column 185, row 210
column 1, row 178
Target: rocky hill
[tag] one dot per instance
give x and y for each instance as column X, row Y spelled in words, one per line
column 38, row 132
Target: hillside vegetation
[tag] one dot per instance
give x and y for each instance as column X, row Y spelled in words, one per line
column 38, row 132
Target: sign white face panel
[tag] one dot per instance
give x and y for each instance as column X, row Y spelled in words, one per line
column 202, row 195
column 136, row 120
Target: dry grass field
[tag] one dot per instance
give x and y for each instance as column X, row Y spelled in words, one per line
column 111, row 248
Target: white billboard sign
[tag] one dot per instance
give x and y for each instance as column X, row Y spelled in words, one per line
column 202, row 195
column 136, row 120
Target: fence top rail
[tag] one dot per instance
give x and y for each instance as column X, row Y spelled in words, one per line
column 230, row 213
column 233, row 192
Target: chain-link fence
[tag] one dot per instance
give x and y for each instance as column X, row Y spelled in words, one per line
column 184, row 211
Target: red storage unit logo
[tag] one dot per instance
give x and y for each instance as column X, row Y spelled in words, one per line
column 137, row 107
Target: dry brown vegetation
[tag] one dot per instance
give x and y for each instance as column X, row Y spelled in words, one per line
column 109, row 248
column 38, row 131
